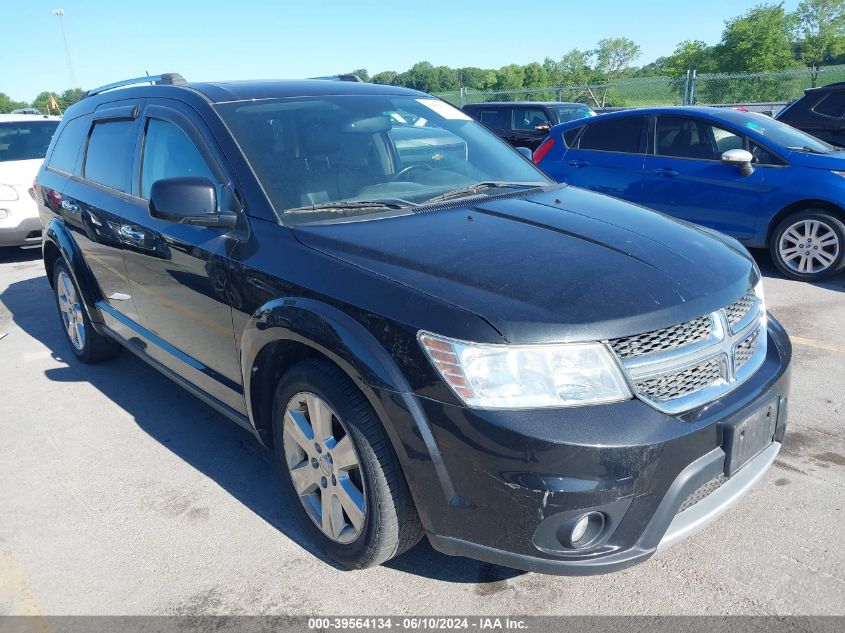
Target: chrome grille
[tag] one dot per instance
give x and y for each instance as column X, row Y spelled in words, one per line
column 687, row 381
column 745, row 350
column 661, row 340
column 738, row 310
column 703, row 491
column 681, row 367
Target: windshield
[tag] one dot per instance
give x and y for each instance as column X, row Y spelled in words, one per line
column 352, row 153
column 25, row 140
column 786, row 136
column 573, row 112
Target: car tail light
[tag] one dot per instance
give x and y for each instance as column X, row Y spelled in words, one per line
column 540, row 152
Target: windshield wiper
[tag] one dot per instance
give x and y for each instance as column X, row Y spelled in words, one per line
column 340, row 205
column 806, row 148
column 479, row 187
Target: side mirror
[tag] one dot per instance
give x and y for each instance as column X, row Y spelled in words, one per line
column 189, row 200
column 741, row 158
column 543, row 127
column 525, row 152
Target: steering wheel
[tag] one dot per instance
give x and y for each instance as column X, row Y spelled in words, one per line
column 409, row 169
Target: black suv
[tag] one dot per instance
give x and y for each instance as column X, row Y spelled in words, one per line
column 820, row 112
column 527, row 123
column 524, row 372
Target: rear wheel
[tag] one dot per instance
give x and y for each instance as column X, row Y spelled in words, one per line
column 88, row 345
column 339, row 467
column 809, row 245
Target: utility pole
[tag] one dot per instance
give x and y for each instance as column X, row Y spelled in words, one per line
column 60, row 13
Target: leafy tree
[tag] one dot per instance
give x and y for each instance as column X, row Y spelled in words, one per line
column 613, row 56
column 758, row 41
column 689, row 55
column 7, row 105
column 386, row 77
column 362, row 74
column 820, row 30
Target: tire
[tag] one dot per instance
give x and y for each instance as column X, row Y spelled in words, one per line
column 797, row 257
column 389, row 524
column 87, row 344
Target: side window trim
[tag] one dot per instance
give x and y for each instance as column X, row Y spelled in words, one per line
column 190, row 129
column 83, row 161
column 822, row 114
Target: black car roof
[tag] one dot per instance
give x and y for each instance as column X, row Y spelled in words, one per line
column 524, row 104
column 273, row 88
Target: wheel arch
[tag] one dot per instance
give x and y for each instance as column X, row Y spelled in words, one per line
column 286, row 331
column 801, row 205
column 59, row 243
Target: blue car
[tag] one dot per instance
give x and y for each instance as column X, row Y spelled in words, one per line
column 744, row 174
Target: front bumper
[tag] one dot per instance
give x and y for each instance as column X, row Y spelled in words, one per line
column 19, row 223
column 511, row 483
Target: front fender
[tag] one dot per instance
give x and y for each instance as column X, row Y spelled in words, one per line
column 58, row 237
column 359, row 354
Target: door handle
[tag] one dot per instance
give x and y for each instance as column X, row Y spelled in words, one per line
column 669, row 173
column 578, row 163
column 131, row 234
column 70, row 207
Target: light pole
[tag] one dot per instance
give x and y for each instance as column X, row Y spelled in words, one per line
column 60, row 13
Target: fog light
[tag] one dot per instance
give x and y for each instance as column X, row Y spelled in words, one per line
column 585, row 530
column 3, row 214
column 580, row 528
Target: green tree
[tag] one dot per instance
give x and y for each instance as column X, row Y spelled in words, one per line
column 689, row 55
column 819, row 29
column 613, row 56
column 758, row 41
column 386, row 77
column 362, row 74
column 7, row 105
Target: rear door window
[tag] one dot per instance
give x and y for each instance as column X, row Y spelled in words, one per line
column 108, row 159
column 623, row 135
column 529, row 118
column 495, row 118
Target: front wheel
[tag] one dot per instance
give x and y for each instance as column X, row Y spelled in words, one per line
column 339, row 467
column 809, row 245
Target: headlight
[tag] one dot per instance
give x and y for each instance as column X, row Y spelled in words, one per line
column 8, row 193
column 526, row 376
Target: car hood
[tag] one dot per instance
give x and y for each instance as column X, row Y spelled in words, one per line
column 833, row 161
column 561, row 265
column 19, row 172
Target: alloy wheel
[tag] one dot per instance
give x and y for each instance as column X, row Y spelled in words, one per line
column 324, row 467
column 71, row 310
column 809, row 246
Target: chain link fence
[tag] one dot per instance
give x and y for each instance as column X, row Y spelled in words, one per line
column 765, row 92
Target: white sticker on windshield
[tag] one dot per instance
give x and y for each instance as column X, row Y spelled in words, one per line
column 443, row 109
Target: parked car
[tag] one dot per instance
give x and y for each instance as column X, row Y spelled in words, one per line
column 744, row 174
column 526, row 124
column 528, row 374
column 820, row 112
column 23, row 143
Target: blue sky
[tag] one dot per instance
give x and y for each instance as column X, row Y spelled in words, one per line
column 208, row 40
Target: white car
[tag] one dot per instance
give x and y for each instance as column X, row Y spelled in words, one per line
column 24, row 139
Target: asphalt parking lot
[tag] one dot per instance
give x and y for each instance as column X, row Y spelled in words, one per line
column 122, row 494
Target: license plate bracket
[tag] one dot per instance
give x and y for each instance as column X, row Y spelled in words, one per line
column 746, row 438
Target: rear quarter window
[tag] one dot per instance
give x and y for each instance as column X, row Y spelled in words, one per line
column 832, row 105
column 570, row 137
column 68, row 144
column 108, row 160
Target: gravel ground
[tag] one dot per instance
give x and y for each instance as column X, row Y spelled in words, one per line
column 122, row 494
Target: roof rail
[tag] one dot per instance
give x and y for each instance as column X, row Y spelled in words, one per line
column 165, row 79
column 346, row 77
